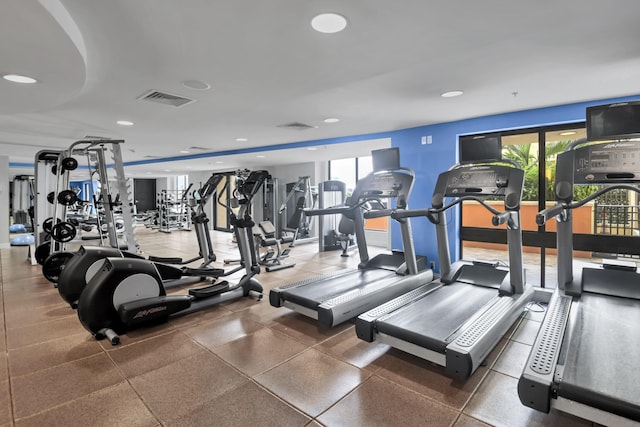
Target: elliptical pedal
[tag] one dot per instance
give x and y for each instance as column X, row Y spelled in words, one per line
column 209, row 291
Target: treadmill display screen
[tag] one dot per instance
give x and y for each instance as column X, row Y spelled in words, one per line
column 475, row 149
column 386, row 159
column 613, row 121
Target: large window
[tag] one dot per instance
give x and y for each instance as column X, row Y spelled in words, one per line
column 605, row 227
column 350, row 170
column 535, row 150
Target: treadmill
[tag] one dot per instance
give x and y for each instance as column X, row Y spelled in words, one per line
column 456, row 321
column 337, row 297
column 586, row 357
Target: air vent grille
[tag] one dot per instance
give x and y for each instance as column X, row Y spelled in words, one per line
column 198, row 148
column 296, row 126
column 165, row 98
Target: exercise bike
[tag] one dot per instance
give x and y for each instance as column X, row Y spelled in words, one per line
column 126, row 293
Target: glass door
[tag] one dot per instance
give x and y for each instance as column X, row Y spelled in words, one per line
column 483, row 241
column 535, row 150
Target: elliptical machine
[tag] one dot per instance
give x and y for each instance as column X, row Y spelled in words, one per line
column 83, row 265
column 126, row 293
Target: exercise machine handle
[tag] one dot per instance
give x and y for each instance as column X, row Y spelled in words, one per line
column 543, row 216
column 328, row 211
column 379, row 213
column 500, row 218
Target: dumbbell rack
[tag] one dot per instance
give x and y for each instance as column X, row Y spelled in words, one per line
column 173, row 213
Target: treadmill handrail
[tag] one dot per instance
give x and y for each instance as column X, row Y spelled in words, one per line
column 557, row 209
column 430, row 213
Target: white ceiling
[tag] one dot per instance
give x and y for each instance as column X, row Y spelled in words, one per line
column 267, row 67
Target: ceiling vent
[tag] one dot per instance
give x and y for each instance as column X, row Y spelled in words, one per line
column 198, row 148
column 165, row 98
column 150, row 157
column 296, row 126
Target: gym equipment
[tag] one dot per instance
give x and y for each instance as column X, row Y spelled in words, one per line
column 300, row 197
column 86, row 262
column 21, row 201
column 173, row 210
column 330, row 193
column 335, row 298
column 24, row 240
column 586, row 357
column 344, row 236
column 265, row 234
column 17, row 228
column 126, row 293
column 457, row 320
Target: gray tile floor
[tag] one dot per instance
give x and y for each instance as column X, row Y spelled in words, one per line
column 242, row 363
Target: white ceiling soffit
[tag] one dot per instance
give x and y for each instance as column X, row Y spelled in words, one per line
column 39, row 40
column 267, row 67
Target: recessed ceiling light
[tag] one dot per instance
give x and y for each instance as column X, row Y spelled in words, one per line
column 452, row 93
column 260, row 156
column 124, row 123
column 219, row 162
column 196, row 84
column 17, row 78
column 571, row 132
column 311, row 148
column 331, row 120
column 329, row 23
column 241, row 139
column 167, row 170
column 185, row 151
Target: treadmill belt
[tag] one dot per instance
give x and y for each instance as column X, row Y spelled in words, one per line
column 314, row 294
column 431, row 320
column 602, row 364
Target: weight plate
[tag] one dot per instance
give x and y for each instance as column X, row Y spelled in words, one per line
column 54, row 169
column 67, row 198
column 47, row 225
column 51, row 197
column 54, row 264
column 42, row 252
column 69, row 164
column 63, row 232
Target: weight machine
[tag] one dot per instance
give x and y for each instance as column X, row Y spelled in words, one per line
column 295, row 223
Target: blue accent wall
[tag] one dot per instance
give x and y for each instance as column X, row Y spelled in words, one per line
column 430, row 159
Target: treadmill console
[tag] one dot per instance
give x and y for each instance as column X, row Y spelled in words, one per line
column 384, row 185
column 481, row 180
column 478, row 180
column 615, row 162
